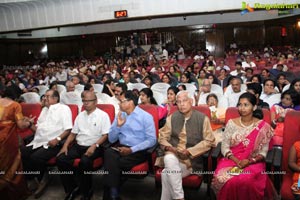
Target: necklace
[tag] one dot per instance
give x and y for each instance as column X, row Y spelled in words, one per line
column 244, row 126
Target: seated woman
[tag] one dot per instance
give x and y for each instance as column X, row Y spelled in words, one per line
column 294, row 163
column 171, row 101
column 281, row 81
column 108, row 88
column 289, row 101
column 217, row 116
column 245, row 145
column 146, row 98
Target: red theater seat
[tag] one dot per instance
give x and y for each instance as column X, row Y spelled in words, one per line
column 110, row 110
column 141, row 170
column 291, row 134
column 28, row 110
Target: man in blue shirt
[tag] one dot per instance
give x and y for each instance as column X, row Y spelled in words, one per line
column 134, row 130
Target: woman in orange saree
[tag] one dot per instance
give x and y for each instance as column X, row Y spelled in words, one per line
column 12, row 183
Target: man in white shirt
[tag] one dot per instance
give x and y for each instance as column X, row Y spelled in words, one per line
column 205, row 90
column 90, row 132
column 165, row 54
column 222, row 65
column 180, row 53
column 61, row 75
column 120, row 89
column 53, row 125
column 232, row 94
column 238, row 70
column 248, row 63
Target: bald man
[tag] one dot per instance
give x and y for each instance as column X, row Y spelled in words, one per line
column 89, row 132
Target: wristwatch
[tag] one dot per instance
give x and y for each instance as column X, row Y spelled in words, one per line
column 58, row 138
column 97, row 145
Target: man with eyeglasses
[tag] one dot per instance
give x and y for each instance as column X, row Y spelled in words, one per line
column 53, row 126
column 134, row 130
column 205, row 90
column 90, row 131
column 186, row 136
column 120, row 88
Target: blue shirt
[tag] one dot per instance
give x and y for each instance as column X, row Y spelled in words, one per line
column 138, row 131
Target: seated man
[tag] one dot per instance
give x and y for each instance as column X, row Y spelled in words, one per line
column 186, row 135
column 53, row 125
column 256, row 89
column 90, row 131
column 232, row 95
column 134, row 130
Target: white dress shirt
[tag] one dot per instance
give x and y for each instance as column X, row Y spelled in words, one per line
column 52, row 122
column 90, row 128
column 233, row 98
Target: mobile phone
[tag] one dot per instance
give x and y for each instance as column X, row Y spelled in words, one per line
column 114, row 148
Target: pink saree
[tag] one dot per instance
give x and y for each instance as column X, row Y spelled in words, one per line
column 252, row 182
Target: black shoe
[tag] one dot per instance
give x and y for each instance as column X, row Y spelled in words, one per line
column 42, row 186
column 89, row 196
column 115, row 198
column 73, row 194
column 106, row 193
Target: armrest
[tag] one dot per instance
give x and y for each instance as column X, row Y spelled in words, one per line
column 277, row 167
column 270, row 156
column 152, row 149
column 216, row 152
column 206, row 154
column 277, row 158
column 28, row 139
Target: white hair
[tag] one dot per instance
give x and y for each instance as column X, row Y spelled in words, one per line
column 190, row 96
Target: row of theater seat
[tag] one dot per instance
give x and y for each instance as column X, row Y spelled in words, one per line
column 277, row 159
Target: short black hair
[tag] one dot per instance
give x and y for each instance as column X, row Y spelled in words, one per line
column 130, row 95
column 55, row 94
column 123, row 86
column 256, row 87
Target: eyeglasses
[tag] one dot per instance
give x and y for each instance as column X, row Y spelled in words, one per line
column 124, row 100
column 87, row 101
column 47, row 96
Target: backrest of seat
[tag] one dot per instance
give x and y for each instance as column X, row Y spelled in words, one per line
column 70, row 98
column 42, row 89
column 233, row 112
column 79, row 88
column 98, row 88
column 33, row 110
column 31, row 97
column 152, row 109
column 291, row 134
column 61, row 88
column 108, row 108
column 203, row 109
column 138, row 86
column 74, row 111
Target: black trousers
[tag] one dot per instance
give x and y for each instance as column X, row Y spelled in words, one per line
column 114, row 164
column 35, row 160
column 65, row 164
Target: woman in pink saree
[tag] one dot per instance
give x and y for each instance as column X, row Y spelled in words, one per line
column 240, row 174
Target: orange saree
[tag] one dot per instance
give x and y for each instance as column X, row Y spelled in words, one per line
column 12, row 184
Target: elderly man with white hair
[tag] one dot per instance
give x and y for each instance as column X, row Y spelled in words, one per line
column 186, row 136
